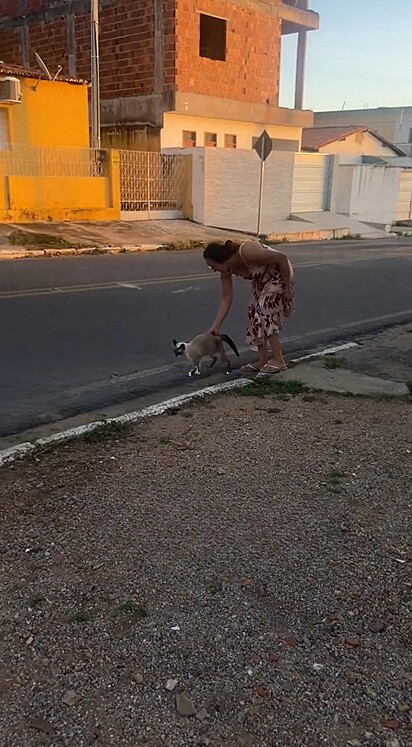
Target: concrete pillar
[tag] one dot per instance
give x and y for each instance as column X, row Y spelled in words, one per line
column 300, row 69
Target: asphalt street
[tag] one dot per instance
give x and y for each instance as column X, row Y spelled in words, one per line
column 80, row 335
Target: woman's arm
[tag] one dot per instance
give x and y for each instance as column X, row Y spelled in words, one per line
column 225, row 302
column 255, row 254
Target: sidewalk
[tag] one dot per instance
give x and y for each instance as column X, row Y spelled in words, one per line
column 235, row 573
column 62, row 239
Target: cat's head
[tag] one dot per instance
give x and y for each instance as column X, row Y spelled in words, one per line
column 178, row 347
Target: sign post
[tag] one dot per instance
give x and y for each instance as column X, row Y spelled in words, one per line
column 263, row 148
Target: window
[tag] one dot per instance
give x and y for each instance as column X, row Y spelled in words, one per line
column 230, row 141
column 210, row 140
column 189, row 139
column 212, row 38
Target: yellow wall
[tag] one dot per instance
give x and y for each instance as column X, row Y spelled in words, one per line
column 47, row 172
column 174, row 124
column 26, row 199
column 51, row 113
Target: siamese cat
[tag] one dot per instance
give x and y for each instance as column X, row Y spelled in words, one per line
column 205, row 346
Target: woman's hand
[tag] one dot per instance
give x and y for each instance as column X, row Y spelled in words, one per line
column 213, row 331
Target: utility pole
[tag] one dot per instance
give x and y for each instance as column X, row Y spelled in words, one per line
column 95, row 73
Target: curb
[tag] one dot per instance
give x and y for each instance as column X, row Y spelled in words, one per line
column 20, row 450
column 68, row 252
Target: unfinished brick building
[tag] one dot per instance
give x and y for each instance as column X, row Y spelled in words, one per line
column 173, row 72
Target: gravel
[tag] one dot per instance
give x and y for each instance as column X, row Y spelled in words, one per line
column 257, row 558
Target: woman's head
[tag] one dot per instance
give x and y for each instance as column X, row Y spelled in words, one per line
column 218, row 254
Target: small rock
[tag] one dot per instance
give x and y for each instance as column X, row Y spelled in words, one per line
column 352, row 642
column 391, row 723
column 137, row 678
column 393, row 743
column 70, row 698
column 273, row 658
column 403, row 708
column 262, row 692
column 220, row 471
column 40, row 724
column 170, row 685
column 184, row 705
column 377, row 626
column 291, row 641
column 202, row 714
column 317, row 667
column 273, row 410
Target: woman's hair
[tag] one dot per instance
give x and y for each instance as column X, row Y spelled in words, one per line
column 220, row 252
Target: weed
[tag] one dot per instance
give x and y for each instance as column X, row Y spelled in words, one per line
column 165, row 440
column 179, row 246
column 133, row 608
column 110, row 429
column 80, row 617
column 348, row 237
column 335, row 481
column 36, row 600
column 41, row 240
column 332, row 361
column 262, row 387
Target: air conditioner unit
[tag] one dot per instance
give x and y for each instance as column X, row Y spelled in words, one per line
column 10, row 90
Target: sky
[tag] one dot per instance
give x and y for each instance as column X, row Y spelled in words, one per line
column 361, row 56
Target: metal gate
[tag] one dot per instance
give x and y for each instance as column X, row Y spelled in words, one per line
column 404, row 207
column 152, row 185
column 311, row 182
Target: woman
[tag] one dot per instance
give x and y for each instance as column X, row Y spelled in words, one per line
column 271, row 275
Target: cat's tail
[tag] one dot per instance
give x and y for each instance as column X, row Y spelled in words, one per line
column 229, row 341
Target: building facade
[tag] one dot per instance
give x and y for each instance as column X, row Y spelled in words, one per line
column 351, row 143
column 173, row 72
column 394, row 123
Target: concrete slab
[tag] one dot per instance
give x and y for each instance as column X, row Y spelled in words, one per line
column 330, row 221
column 341, row 380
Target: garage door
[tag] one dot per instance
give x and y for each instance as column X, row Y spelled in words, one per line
column 311, row 182
column 404, row 209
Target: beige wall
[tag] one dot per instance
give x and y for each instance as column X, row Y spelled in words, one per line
column 351, row 150
column 174, row 124
column 369, row 193
column 231, row 189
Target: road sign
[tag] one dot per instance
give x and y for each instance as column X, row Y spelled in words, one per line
column 263, row 146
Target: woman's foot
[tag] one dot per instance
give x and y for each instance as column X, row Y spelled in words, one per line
column 251, row 368
column 270, row 368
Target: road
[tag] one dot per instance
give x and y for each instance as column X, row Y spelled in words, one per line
column 92, row 334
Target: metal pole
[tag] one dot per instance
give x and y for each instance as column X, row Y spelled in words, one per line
column 95, row 74
column 262, row 174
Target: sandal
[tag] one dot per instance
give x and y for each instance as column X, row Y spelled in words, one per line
column 250, row 368
column 271, row 369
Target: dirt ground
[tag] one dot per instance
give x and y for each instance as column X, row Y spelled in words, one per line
column 234, row 574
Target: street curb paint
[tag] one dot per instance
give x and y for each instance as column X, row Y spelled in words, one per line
column 326, row 351
column 20, row 450
column 17, row 452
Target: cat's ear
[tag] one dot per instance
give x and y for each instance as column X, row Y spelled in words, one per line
column 174, row 342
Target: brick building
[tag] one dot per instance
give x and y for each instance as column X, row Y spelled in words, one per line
column 174, row 73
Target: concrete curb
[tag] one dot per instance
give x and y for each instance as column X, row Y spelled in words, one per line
column 20, row 450
column 67, row 252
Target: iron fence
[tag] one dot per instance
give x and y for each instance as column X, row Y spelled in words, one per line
column 25, row 160
column 151, row 181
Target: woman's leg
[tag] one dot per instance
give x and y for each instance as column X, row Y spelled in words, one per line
column 277, row 355
column 261, row 361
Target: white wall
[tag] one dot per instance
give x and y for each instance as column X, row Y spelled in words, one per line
column 351, row 150
column 174, row 124
column 368, row 193
column 232, row 189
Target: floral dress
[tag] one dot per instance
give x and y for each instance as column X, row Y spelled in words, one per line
column 267, row 309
